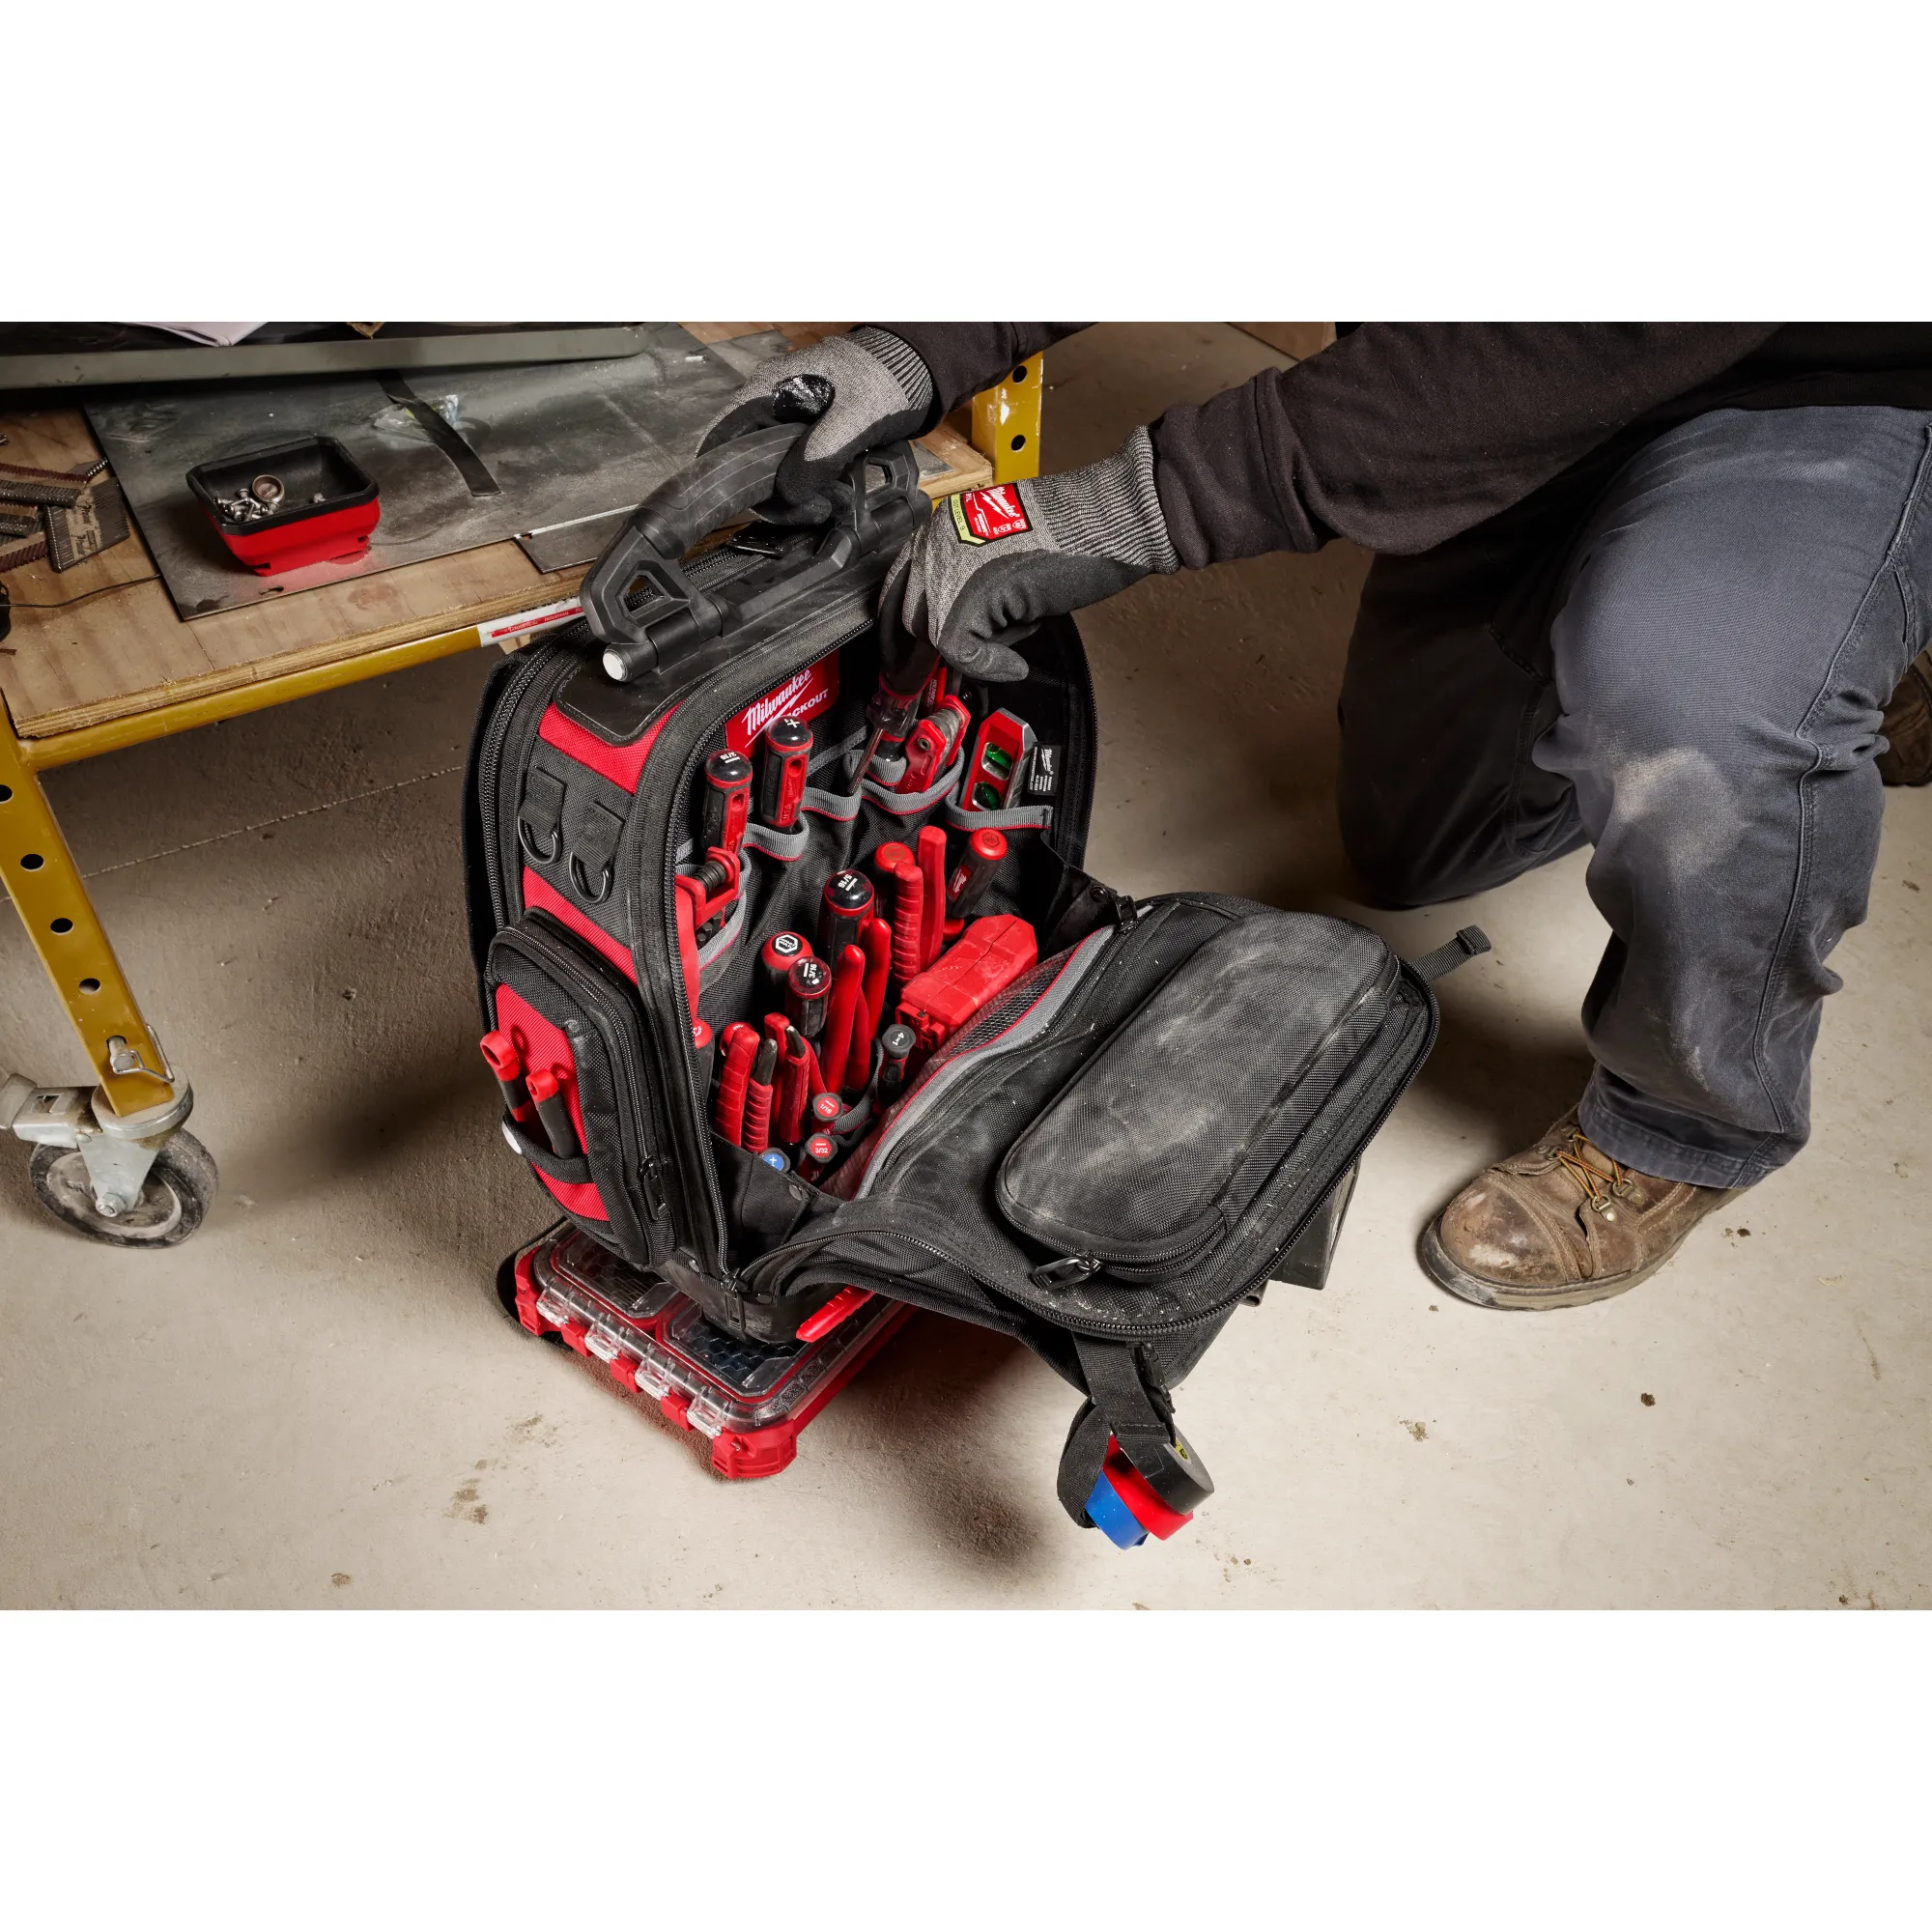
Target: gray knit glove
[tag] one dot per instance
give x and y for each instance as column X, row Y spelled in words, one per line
column 990, row 564
column 865, row 388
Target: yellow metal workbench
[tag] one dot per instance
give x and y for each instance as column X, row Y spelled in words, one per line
column 98, row 659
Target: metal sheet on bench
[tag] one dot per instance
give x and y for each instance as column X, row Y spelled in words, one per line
column 565, row 441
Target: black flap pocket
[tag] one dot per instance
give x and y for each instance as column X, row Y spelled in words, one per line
column 1167, row 1135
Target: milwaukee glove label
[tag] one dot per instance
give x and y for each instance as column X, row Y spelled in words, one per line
column 984, row 515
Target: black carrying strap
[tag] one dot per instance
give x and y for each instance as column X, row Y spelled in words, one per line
column 1137, row 1413
column 1451, row 954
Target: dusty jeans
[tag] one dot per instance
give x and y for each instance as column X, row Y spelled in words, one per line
column 1701, row 706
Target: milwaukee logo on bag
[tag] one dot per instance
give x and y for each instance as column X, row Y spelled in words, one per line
column 803, row 696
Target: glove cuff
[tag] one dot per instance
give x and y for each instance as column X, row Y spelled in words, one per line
column 904, row 361
column 1110, row 510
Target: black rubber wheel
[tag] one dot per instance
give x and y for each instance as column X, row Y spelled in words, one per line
column 175, row 1196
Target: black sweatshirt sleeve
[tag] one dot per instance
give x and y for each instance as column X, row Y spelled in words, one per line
column 1401, row 435
column 968, row 357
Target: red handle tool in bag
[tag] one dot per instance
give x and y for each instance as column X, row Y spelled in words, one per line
column 758, row 1097
column 741, row 1048
column 849, row 988
column 932, row 925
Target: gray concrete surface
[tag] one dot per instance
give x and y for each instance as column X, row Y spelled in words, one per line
column 316, row 1402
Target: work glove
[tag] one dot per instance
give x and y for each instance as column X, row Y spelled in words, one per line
column 865, row 389
column 992, row 564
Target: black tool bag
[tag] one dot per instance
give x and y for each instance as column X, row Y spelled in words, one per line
column 1128, row 1142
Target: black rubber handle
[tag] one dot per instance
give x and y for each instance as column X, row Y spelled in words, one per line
column 721, row 484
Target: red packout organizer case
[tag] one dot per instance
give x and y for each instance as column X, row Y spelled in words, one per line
column 327, row 503
column 802, row 1008
column 750, row 1398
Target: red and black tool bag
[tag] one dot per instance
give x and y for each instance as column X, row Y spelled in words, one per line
column 1107, row 1160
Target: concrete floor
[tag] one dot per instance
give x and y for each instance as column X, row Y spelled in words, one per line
column 317, row 1402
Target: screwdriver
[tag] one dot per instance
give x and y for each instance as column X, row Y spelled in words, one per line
column 845, row 905
column 782, row 784
column 775, row 961
column 806, row 991
column 816, row 1155
column 896, row 1043
column 725, row 802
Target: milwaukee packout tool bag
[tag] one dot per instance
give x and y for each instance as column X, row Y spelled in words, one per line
column 799, row 996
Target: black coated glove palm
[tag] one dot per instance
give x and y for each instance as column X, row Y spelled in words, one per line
column 992, row 564
column 865, row 389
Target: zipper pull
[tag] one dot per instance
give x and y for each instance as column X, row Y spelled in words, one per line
column 1065, row 1272
column 650, row 1176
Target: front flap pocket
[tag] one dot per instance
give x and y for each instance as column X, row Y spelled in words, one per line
column 1158, row 1146
column 570, row 1019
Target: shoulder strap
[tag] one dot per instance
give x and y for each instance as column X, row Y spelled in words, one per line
column 1451, row 954
column 1123, row 1407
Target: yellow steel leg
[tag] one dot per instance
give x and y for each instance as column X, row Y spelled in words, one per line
column 46, row 887
column 1005, row 422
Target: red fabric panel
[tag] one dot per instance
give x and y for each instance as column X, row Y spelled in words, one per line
column 541, row 1043
column 621, row 764
column 541, row 896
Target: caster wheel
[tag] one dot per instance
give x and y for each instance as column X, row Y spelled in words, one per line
column 175, row 1196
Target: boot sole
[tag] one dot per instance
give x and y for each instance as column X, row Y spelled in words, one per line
column 1484, row 1294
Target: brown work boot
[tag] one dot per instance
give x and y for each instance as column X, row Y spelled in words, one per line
column 1907, row 726
column 1560, row 1224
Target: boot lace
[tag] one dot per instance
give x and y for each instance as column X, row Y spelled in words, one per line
column 1575, row 1161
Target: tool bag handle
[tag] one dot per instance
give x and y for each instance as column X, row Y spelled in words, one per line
column 639, row 575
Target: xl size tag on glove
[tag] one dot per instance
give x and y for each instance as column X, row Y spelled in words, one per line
column 984, row 515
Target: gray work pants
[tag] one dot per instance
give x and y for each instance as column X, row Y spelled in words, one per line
column 1701, row 706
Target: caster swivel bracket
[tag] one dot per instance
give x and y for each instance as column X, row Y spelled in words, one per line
column 116, row 1150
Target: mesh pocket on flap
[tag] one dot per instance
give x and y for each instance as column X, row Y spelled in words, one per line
column 1173, row 1128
